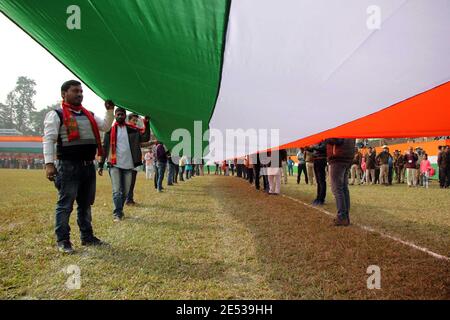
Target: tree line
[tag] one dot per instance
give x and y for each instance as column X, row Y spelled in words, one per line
column 19, row 111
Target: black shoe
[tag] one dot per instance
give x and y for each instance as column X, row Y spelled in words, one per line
column 339, row 222
column 92, row 241
column 130, row 203
column 65, row 247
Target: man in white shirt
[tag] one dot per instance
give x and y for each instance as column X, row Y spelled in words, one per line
column 75, row 131
column 122, row 146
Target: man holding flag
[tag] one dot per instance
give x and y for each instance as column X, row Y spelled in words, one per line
column 122, row 145
column 75, row 131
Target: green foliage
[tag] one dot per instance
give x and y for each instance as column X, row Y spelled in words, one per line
column 20, row 112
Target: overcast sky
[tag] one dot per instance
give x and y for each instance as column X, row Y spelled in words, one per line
column 22, row 56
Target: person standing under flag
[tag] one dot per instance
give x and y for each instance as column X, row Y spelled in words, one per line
column 122, row 145
column 76, row 133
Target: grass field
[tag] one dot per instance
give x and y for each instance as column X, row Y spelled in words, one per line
column 217, row 238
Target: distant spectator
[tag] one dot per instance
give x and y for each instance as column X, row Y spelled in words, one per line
column 319, row 156
column 383, row 160
column 399, row 166
column 356, row 167
column 290, row 167
column 301, row 166
column 370, row 165
column 411, row 161
column 425, row 170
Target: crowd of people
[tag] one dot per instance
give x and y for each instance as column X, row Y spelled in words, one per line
column 21, row 163
column 76, row 133
column 332, row 155
column 412, row 167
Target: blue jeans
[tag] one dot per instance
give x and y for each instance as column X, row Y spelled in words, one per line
column 170, row 176
column 130, row 196
column 75, row 180
column 339, row 187
column 161, row 166
column 121, row 182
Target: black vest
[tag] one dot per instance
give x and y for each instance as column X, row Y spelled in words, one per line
column 80, row 149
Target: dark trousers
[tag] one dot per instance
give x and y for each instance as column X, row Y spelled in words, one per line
column 442, row 177
column 182, row 173
column 239, row 170
column 161, row 165
column 257, row 169
column 320, row 166
column 390, row 175
column 339, row 187
column 291, row 170
column 75, row 181
column 155, row 176
column 398, row 174
column 177, row 170
column 130, row 196
column 232, row 169
column 266, row 183
column 302, row 168
column 250, row 175
column 377, row 175
column 447, row 176
column 171, row 173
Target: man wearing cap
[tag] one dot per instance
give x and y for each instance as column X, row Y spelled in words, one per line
column 383, row 159
column 75, row 131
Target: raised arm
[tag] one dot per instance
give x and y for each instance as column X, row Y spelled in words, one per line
column 145, row 136
column 105, row 123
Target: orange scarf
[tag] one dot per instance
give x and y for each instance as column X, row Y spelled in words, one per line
column 71, row 124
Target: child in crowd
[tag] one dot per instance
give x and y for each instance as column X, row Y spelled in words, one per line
column 425, row 169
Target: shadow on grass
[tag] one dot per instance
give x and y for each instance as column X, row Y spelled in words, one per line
column 166, row 266
column 304, row 256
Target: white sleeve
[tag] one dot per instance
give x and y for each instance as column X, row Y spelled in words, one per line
column 105, row 124
column 51, row 131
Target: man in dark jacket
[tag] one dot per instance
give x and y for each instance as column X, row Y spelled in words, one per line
column 383, row 159
column 447, row 159
column 370, row 166
column 161, row 164
column 320, row 164
column 340, row 154
column 442, row 162
column 122, row 150
column 399, row 166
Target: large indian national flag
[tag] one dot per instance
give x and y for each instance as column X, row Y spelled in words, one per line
column 310, row 68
